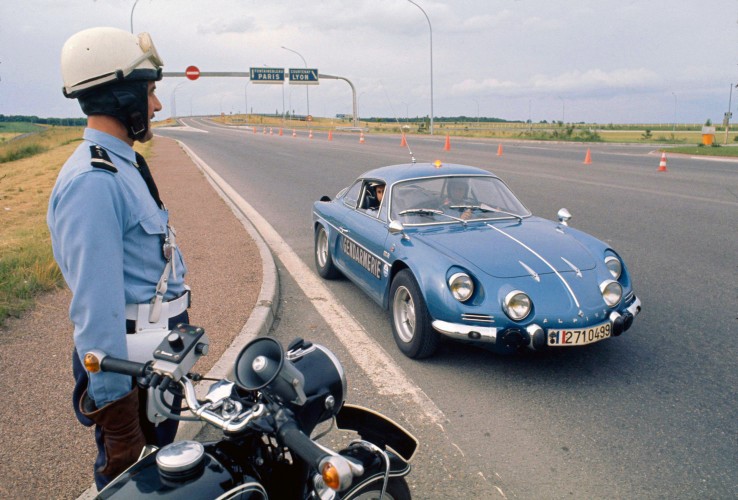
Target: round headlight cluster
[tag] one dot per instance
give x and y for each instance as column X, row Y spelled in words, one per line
column 612, row 292
column 461, row 286
column 517, row 305
column 614, row 266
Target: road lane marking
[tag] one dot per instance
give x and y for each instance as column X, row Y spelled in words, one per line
column 385, row 375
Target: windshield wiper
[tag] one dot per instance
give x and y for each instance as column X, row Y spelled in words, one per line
column 430, row 211
column 486, row 208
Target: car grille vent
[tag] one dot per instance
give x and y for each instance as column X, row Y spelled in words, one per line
column 485, row 318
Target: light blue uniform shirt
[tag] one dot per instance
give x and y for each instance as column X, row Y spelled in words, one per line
column 107, row 234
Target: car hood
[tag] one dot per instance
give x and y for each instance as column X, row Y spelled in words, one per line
column 511, row 249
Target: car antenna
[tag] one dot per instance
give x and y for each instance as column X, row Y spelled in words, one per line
column 407, row 143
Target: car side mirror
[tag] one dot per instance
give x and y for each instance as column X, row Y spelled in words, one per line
column 564, row 216
column 396, row 227
column 325, row 198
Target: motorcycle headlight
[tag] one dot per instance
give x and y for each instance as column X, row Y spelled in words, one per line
column 614, row 266
column 612, row 292
column 461, row 286
column 517, row 305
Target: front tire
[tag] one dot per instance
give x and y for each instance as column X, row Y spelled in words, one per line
column 323, row 258
column 397, row 489
column 411, row 322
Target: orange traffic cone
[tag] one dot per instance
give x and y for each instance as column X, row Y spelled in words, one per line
column 254, row 129
column 294, row 133
column 310, row 135
column 499, row 150
column 264, row 131
column 361, row 138
column 662, row 163
column 330, row 135
column 280, row 131
column 271, row 131
column 447, row 146
column 588, row 157
column 403, row 142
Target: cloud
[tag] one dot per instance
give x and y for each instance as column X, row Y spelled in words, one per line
column 580, row 83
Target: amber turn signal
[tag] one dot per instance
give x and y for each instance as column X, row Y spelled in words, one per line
column 331, row 477
column 92, row 362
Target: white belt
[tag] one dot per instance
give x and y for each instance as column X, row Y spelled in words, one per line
column 140, row 313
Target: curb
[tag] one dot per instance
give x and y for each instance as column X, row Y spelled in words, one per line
column 260, row 320
column 262, row 316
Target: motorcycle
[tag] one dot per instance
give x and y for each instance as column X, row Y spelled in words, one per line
column 266, row 417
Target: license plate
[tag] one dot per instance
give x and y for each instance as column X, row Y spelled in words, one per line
column 590, row 335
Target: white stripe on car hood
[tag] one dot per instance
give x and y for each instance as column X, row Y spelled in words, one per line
column 547, row 263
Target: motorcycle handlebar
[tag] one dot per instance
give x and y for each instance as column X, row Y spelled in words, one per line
column 336, row 471
column 123, row 366
column 302, row 445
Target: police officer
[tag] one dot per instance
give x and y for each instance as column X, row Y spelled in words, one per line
column 111, row 238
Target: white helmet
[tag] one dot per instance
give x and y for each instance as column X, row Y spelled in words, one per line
column 97, row 56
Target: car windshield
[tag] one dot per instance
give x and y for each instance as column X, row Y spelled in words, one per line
column 454, row 199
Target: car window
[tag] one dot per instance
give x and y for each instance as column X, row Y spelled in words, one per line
column 352, row 195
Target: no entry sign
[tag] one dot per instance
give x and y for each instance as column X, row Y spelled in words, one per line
column 192, row 72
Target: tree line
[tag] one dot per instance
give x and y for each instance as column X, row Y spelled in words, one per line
column 69, row 122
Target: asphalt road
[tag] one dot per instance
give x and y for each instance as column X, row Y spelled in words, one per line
column 650, row 414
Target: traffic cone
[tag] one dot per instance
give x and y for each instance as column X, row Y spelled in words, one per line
column 499, row 150
column 662, row 163
column 254, row 129
column 330, row 135
column 280, row 131
column 588, row 157
column 403, row 142
column 271, row 131
column 310, row 136
column 294, row 133
column 361, row 138
column 447, row 146
column 264, row 131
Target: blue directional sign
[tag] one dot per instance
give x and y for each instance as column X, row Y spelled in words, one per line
column 304, row 76
column 267, row 75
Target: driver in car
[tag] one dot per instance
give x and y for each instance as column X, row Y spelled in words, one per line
column 457, row 191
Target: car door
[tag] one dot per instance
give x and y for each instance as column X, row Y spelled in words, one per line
column 360, row 252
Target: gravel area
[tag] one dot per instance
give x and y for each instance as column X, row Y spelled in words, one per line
column 47, row 453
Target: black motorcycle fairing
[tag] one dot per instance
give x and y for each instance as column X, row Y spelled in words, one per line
column 378, row 429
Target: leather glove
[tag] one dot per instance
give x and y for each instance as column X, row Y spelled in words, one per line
column 122, row 435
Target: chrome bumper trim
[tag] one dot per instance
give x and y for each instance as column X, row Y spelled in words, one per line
column 635, row 307
column 466, row 332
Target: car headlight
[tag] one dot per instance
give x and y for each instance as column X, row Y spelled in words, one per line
column 461, row 286
column 517, row 305
column 612, row 292
column 614, row 266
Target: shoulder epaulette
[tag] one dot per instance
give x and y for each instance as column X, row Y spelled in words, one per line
column 100, row 159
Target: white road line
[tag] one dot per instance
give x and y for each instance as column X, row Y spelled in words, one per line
column 385, row 375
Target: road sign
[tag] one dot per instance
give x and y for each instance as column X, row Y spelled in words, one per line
column 304, row 76
column 192, row 72
column 267, row 75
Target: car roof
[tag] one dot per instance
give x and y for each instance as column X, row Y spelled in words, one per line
column 395, row 173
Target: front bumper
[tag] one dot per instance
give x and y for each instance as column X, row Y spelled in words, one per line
column 533, row 336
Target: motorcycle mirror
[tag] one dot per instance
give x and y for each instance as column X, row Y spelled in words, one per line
column 261, row 365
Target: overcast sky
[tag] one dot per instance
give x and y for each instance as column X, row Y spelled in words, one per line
column 605, row 61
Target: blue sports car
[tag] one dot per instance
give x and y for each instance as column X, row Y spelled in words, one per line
column 452, row 252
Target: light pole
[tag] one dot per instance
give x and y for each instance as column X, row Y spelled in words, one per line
column 673, row 130
column 307, row 94
column 246, row 98
column 173, row 104
column 431, row 62
column 134, row 6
